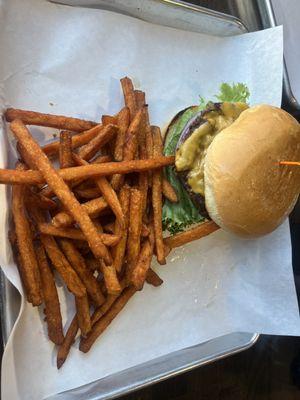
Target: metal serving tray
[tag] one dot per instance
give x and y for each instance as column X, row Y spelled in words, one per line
column 198, row 19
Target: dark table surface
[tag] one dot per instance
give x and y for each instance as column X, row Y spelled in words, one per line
column 270, row 370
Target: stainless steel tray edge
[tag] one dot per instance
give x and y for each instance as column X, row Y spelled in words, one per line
column 165, row 367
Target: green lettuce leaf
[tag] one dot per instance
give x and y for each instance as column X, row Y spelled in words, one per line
column 177, row 216
column 237, row 92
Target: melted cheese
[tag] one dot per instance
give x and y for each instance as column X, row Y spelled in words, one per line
column 191, row 154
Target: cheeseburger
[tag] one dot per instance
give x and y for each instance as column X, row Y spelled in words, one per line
column 227, row 158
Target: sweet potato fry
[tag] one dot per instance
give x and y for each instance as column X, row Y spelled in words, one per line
column 83, row 315
column 143, row 176
column 131, row 140
column 13, row 177
column 103, row 323
column 122, row 231
column 123, row 120
column 110, row 278
column 52, row 307
column 134, row 232
column 130, row 149
column 84, row 273
column 76, row 234
column 129, row 97
column 108, row 193
column 149, row 142
column 25, row 157
column 69, row 339
column 80, row 139
column 28, row 265
column 139, row 99
column 196, row 233
column 49, row 120
column 93, row 208
column 157, row 197
column 89, row 150
column 65, row 149
column 169, row 191
column 61, row 189
column 153, row 279
column 140, row 270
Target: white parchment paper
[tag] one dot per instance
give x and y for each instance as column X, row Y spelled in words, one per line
column 66, row 60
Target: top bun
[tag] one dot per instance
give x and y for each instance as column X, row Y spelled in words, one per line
column 246, row 191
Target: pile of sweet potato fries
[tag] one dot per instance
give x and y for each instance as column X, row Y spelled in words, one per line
column 96, row 219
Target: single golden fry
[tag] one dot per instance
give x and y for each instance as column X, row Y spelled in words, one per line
column 131, row 140
column 169, row 191
column 143, row 176
column 65, row 149
column 61, row 189
column 25, row 157
column 135, row 228
column 76, row 234
column 196, row 233
column 157, row 197
column 149, row 142
column 52, row 307
column 153, row 279
column 93, row 208
column 83, row 315
column 85, row 274
column 123, row 120
column 69, row 339
column 110, row 278
column 49, row 120
column 28, row 265
column 89, row 150
column 122, row 231
column 103, row 323
column 129, row 97
column 139, row 99
column 141, row 268
column 12, row 176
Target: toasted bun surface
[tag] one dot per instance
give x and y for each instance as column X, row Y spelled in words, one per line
column 246, row 191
